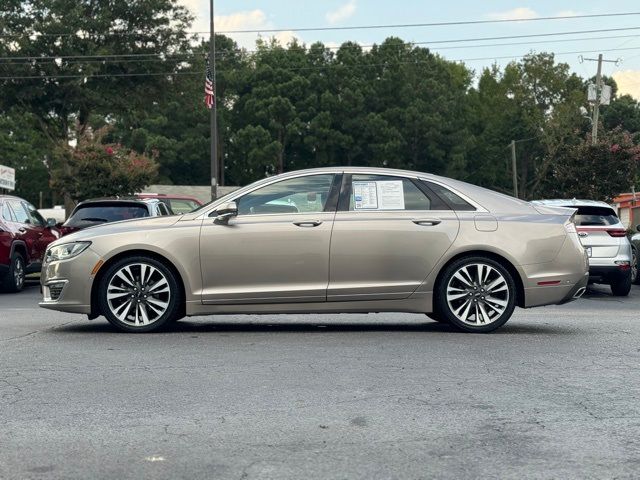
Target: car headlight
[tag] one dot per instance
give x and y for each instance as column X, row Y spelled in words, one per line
column 66, row 251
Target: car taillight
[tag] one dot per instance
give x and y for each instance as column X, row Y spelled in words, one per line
column 617, row 232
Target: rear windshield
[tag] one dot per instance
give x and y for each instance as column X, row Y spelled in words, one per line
column 595, row 217
column 95, row 214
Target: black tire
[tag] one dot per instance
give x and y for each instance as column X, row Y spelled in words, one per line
column 174, row 297
column 635, row 278
column 621, row 287
column 13, row 282
column 507, row 296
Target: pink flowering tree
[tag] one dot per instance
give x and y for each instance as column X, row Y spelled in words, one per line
column 597, row 172
column 95, row 169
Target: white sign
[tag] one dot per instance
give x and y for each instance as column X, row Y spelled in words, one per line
column 385, row 195
column 365, row 195
column 7, row 178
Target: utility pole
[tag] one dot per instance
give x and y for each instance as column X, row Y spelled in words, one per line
column 514, row 167
column 598, row 97
column 596, row 109
column 214, row 109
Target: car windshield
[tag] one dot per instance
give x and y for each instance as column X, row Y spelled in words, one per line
column 92, row 214
column 595, row 217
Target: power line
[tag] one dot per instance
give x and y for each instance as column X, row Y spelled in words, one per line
column 434, row 42
column 291, row 69
column 353, row 27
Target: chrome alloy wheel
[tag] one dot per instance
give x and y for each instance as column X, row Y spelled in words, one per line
column 477, row 294
column 18, row 273
column 138, row 294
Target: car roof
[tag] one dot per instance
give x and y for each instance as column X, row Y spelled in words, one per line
column 485, row 199
column 123, row 200
column 170, row 196
column 11, row 197
column 574, row 202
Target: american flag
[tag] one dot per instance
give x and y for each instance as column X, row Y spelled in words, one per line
column 209, row 88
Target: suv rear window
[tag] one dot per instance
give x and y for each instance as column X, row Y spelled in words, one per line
column 94, row 214
column 595, row 217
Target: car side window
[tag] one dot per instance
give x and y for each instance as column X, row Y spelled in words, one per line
column 7, row 214
column 453, row 200
column 307, row 194
column 19, row 212
column 381, row 192
column 162, row 209
column 34, row 216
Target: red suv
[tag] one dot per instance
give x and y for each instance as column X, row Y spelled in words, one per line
column 24, row 236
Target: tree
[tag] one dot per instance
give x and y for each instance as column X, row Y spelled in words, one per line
column 96, row 169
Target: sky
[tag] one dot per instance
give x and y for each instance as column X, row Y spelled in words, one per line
column 288, row 14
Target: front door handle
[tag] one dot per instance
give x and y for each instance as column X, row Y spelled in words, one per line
column 22, row 230
column 308, row 223
column 427, row 222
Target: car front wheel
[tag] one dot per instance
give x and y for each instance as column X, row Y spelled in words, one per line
column 476, row 294
column 140, row 294
column 14, row 280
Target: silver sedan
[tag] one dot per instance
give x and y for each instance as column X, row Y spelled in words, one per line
column 339, row 240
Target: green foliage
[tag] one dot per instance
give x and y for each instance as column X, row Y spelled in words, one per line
column 598, row 171
column 94, row 169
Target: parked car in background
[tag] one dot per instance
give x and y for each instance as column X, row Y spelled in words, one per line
column 331, row 240
column 95, row 212
column 634, row 238
column 24, row 237
column 177, row 204
column 605, row 239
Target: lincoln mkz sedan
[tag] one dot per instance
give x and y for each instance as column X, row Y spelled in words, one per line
column 334, row 240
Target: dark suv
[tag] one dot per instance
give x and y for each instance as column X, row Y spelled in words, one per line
column 24, row 237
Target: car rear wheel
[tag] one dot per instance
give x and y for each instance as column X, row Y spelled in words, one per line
column 476, row 294
column 140, row 294
column 13, row 282
column 634, row 267
column 621, row 287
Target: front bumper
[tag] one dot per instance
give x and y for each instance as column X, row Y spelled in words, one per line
column 66, row 284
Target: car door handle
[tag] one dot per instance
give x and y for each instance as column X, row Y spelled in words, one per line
column 22, row 230
column 308, row 224
column 427, row 222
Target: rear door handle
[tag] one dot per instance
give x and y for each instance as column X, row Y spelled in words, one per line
column 308, row 223
column 22, row 230
column 427, row 222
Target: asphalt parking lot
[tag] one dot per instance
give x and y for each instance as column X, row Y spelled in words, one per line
column 553, row 394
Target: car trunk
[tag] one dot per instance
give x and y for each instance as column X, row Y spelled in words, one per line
column 599, row 230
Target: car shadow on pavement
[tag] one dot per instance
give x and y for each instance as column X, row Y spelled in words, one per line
column 186, row 327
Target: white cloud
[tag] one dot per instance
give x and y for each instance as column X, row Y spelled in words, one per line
column 242, row 20
column 520, row 13
column 342, row 13
column 566, row 13
column 628, row 82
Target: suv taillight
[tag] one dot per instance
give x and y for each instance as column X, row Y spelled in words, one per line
column 617, row 232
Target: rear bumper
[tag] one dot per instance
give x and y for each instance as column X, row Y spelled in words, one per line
column 576, row 292
column 608, row 274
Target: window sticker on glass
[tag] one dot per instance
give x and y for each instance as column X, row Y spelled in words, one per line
column 391, row 194
column 380, row 195
column 365, row 195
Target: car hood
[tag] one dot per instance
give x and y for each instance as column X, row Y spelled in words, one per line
column 141, row 224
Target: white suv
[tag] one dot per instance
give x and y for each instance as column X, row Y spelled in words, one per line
column 605, row 239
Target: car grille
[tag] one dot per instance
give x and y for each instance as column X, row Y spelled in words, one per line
column 55, row 289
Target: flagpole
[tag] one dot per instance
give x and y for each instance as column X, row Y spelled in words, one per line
column 214, row 109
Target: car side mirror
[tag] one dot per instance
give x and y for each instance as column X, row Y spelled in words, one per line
column 51, row 222
column 225, row 212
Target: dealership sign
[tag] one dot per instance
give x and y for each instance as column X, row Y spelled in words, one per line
column 7, row 178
